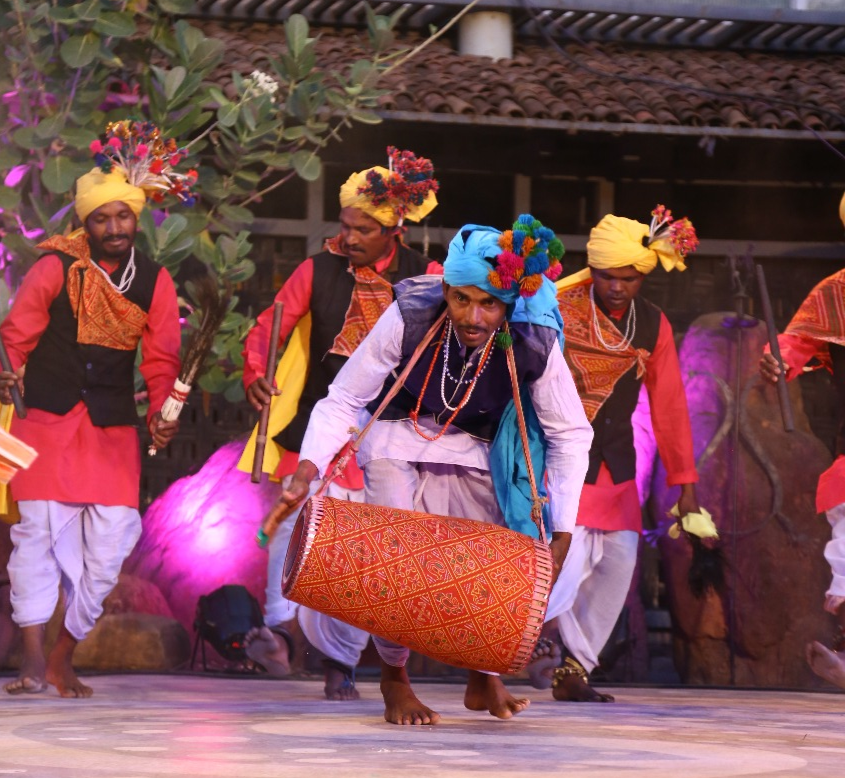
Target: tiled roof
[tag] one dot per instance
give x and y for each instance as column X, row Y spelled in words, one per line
column 588, row 86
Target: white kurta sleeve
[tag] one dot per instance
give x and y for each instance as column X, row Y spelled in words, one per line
column 568, row 436
column 359, row 382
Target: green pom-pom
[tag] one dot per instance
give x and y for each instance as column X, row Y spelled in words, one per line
column 503, row 340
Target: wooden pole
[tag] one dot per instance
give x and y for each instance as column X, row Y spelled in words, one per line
column 17, row 399
column 269, row 374
column 783, row 392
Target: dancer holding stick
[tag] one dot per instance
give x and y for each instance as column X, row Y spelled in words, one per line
column 264, row 420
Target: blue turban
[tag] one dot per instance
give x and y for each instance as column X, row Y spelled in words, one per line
column 467, row 264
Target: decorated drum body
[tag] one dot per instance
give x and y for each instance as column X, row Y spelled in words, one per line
column 462, row 592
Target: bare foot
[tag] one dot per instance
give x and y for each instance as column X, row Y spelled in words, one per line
column 33, row 667
column 66, row 681
column 826, row 664
column 339, row 685
column 487, row 692
column 401, row 705
column 573, row 688
column 270, row 650
column 544, row 659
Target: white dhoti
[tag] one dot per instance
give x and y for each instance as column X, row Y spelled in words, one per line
column 834, row 553
column 80, row 547
column 591, row 590
column 336, row 640
column 444, row 490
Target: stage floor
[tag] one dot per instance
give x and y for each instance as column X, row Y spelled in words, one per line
column 219, row 727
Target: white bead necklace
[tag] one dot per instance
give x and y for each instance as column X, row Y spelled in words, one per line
column 470, row 382
column 630, row 327
column 126, row 278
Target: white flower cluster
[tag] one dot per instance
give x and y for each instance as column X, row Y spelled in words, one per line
column 260, row 83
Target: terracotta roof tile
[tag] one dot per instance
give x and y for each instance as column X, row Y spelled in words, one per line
column 585, row 83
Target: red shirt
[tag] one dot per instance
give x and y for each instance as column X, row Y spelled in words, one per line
column 78, row 462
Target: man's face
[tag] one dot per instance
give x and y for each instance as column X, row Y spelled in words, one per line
column 365, row 240
column 475, row 314
column 111, row 231
column 617, row 287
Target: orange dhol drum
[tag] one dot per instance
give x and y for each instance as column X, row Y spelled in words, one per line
column 459, row 591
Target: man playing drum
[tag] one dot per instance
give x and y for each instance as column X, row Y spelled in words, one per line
column 440, row 445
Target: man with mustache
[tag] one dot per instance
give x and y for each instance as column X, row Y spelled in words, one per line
column 615, row 342
column 76, row 323
column 331, row 301
column 443, row 443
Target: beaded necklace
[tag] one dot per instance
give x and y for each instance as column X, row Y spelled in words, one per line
column 447, row 374
column 630, row 328
column 482, row 362
column 126, row 278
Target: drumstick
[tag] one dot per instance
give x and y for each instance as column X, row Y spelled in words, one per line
column 269, row 373
column 783, row 392
column 17, row 398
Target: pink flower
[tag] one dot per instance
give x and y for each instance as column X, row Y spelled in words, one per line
column 141, row 150
column 96, row 147
column 115, row 143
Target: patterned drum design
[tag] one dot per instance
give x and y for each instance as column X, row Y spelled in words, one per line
column 462, row 592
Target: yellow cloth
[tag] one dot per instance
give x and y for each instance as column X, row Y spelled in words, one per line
column 617, row 242
column 842, row 210
column 96, row 189
column 384, row 214
column 699, row 524
column 290, row 378
column 8, row 507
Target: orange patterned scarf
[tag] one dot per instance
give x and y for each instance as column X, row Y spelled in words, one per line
column 104, row 317
column 594, row 369
column 371, row 296
column 822, row 315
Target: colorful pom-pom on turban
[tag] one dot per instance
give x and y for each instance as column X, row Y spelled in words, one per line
column 405, row 191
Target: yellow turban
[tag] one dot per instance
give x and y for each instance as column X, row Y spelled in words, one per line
column 96, row 189
column 617, row 242
column 386, row 212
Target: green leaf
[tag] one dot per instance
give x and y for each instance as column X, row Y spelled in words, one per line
column 51, row 126
column 236, row 213
column 296, row 32
column 227, row 248
column 58, row 174
column 10, row 198
column 115, row 24
column 365, row 117
column 176, row 6
column 307, row 165
column 293, row 133
column 89, row 10
column 173, row 80
column 171, row 228
column 282, row 161
column 62, row 15
column 80, row 50
column 227, row 114
column 9, row 156
column 207, row 54
column 78, row 137
column 240, row 272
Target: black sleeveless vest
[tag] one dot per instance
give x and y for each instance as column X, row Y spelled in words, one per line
column 331, row 294
column 480, row 417
column 60, row 372
column 613, row 433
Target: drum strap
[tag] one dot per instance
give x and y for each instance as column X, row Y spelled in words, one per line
column 352, row 449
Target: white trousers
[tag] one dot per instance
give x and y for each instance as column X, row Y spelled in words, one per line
column 834, row 551
column 80, row 547
column 337, row 640
column 591, row 590
column 445, row 490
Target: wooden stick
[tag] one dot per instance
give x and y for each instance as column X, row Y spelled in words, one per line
column 17, row 398
column 783, row 392
column 269, row 374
